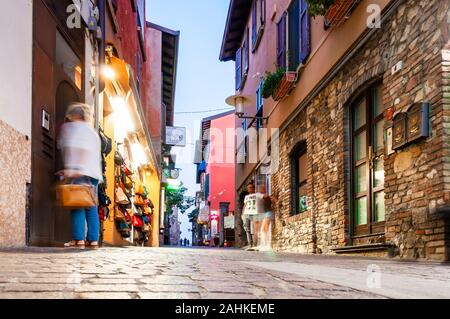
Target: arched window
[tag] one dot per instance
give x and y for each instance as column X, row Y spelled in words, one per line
column 367, row 136
column 299, row 179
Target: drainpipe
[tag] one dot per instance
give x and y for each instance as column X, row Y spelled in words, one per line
column 102, row 45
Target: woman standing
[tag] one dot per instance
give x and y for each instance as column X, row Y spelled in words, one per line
column 81, row 148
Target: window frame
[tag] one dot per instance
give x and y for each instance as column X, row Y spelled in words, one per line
column 258, row 18
column 299, row 151
column 259, row 105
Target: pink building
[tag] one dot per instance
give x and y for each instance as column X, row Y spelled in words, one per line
column 217, row 173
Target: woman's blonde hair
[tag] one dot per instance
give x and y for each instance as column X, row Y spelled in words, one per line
column 80, row 109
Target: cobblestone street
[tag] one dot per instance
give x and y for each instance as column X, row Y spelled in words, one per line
column 144, row 273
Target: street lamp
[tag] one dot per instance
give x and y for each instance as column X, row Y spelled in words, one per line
column 238, row 101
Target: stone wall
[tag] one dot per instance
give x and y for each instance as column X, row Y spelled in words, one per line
column 417, row 177
column 15, row 173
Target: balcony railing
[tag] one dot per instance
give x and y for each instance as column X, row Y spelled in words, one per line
column 339, row 12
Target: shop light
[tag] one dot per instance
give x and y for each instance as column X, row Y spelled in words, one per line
column 122, row 120
column 138, row 154
column 108, row 72
column 173, row 183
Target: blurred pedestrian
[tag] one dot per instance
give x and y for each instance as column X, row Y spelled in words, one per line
column 81, row 148
column 266, row 219
column 248, row 215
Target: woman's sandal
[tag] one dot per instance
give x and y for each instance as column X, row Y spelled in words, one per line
column 80, row 244
column 93, row 245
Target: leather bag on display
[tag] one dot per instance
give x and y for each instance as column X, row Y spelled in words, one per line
column 121, row 198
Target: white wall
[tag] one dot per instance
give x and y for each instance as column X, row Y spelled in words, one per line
column 16, row 38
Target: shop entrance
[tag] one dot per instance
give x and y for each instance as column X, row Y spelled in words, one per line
column 57, row 81
column 65, row 94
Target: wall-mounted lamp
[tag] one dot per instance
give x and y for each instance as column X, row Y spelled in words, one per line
column 238, row 102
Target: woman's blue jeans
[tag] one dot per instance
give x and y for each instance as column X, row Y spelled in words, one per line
column 86, row 215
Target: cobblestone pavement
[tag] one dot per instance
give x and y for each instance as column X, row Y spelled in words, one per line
column 176, row 273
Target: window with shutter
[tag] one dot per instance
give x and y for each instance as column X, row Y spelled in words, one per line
column 294, row 35
column 262, row 11
column 238, row 69
column 259, row 105
column 254, row 23
column 299, row 34
column 281, row 42
column 258, row 21
column 245, row 54
column 305, row 33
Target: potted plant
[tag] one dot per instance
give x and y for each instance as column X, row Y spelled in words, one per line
column 271, row 82
column 285, row 85
column 278, row 84
column 334, row 11
column 319, row 7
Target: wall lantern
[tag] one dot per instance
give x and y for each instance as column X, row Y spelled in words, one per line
column 238, row 102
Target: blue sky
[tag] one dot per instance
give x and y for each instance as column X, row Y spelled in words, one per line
column 203, row 81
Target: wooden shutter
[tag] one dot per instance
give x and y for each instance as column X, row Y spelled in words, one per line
column 238, row 68
column 281, row 42
column 305, row 32
column 254, row 24
column 262, row 11
column 245, row 54
column 294, row 35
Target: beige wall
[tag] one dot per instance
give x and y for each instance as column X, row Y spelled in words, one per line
column 16, row 29
column 15, row 118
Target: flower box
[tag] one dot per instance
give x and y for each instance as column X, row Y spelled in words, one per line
column 339, row 12
column 285, row 86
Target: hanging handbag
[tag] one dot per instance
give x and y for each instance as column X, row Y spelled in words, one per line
column 139, row 211
column 137, row 222
column 139, row 188
column 119, row 216
column 148, row 210
column 121, row 198
column 74, row 196
column 106, row 142
column 147, row 228
column 128, row 182
column 118, row 159
column 145, row 193
column 138, row 200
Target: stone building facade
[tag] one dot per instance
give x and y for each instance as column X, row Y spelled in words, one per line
column 416, row 176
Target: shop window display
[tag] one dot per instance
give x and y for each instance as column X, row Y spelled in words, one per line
column 134, row 209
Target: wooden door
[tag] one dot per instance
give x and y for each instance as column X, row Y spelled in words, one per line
column 65, row 94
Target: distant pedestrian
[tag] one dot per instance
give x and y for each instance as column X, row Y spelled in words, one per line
column 185, row 242
column 248, row 215
column 181, row 242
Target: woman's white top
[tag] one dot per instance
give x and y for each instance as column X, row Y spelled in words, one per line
column 82, row 136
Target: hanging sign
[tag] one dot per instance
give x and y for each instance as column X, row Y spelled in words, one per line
column 176, row 136
column 228, row 222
